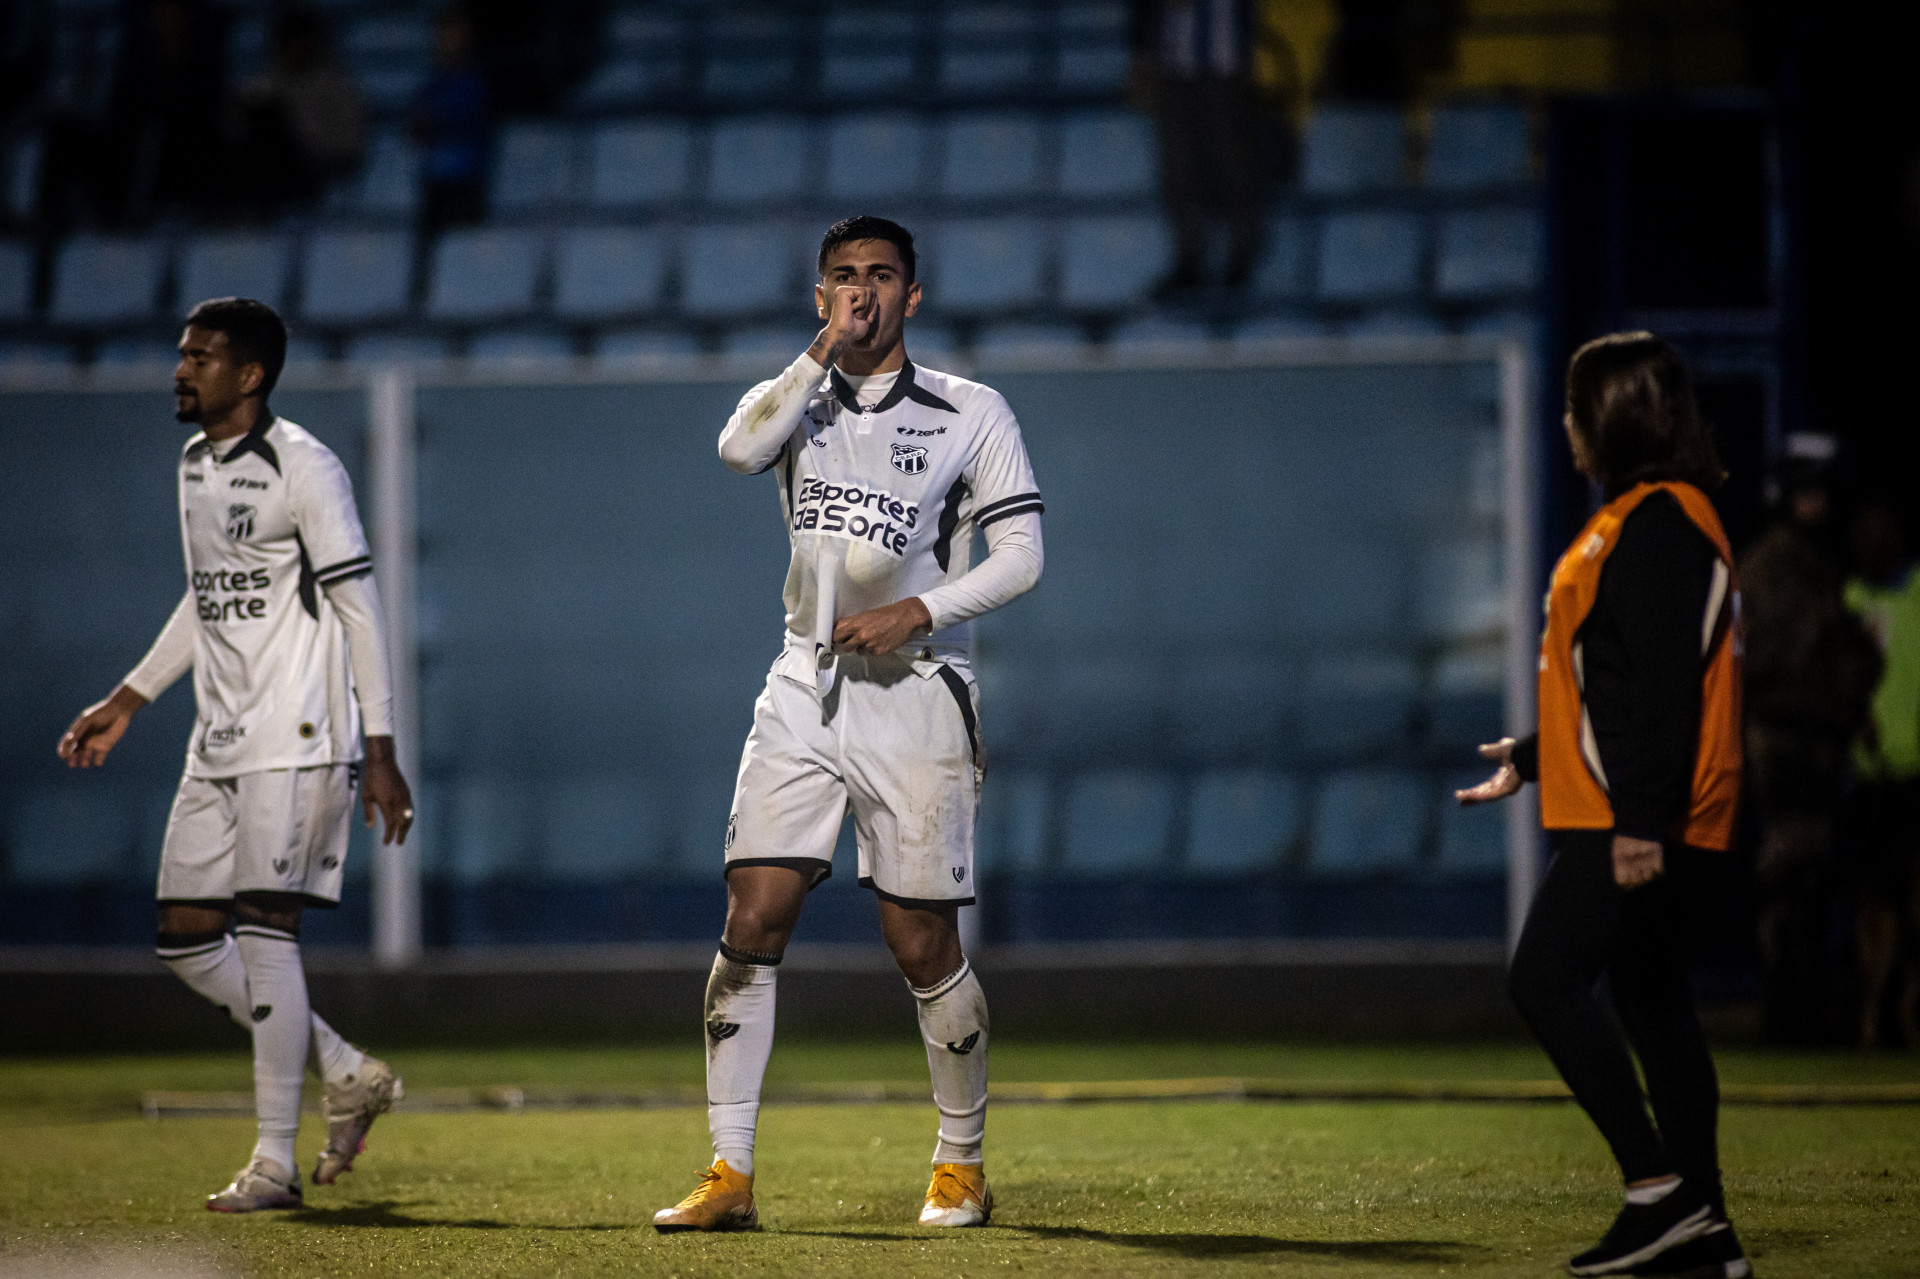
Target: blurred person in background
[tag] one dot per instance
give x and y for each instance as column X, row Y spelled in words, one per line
column 161, row 144
column 1810, row 669
column 535, row 52
column 1638, row 761
column 301, row 125
column 1884, row 808
column 1386, row 50
column 452, row 120
column 1219, row 143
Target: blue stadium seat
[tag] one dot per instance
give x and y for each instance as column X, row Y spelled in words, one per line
column 1487, row 253
column 989, row 155
column 758, row 158
column 783, row 342
column 1161, row 332
column 1107, row 153
column 1473, row 841
column 102, row 279
column 356, row 276
column 389, row 87
column 1012, row 830
column 36, row 357
column 534, row 167
column 868, row 51
column 1356, row 705
column 1370, row 256
column 150, row 352
column 1349, row 150
column 1117, row 823
column 390, row 180
column 1030, row 339
column 1366, row 821
column 932, row 344
column 1280, row 328
column 1111, row 262
column 483, row 273
column 739, row 269
column 1285, row 269
column 1463, row 576
column 72, row 833
column 625, row 345
column 16, row 280
column 519, row 346
column 1467, row 703
column 988, row 49
column 602, row 271
column 603, row 827
column 1477, row 145
column 244, row 265
column 630, row 82
column 1397, row 322
column 874, row 156
column 1514, row 323
column 640, row 163
column 1087, row 66
column 305, row 350
column 1227, row 708
column 396, row 348
column 1241, row 822
column 988, row 264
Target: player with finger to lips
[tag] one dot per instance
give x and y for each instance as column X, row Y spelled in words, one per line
column 884, row 470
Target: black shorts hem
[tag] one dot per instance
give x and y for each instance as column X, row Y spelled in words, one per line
column 206, row 903
column 821, row 870
column 912, row 903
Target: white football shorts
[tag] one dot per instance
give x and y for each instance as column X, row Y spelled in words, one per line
column 279, row 831
column 898, row 741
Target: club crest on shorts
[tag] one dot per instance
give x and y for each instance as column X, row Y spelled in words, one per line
column 718, row 1029
column 910, row 459
column 240, row 520
column 959, row 873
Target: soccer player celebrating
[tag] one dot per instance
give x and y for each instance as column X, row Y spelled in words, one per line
column 885, row 469
column 281, row 627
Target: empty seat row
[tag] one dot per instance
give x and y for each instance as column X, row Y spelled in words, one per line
column 734, row 269
column 1236, row 822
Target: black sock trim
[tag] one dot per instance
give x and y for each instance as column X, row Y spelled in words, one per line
column 749, row 957
column 198, row 940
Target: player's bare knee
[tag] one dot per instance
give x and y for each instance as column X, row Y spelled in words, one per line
column 182, row 919
column 270, row 910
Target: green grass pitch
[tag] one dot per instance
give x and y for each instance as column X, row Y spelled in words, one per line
column 1168, row 1188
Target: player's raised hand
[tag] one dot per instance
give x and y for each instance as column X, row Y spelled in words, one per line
column 881, row 630
column 850, row 310
column 382, row 788
column 1504, row 782
column 88, row 739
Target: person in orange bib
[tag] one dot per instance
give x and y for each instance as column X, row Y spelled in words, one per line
column 1638, row 762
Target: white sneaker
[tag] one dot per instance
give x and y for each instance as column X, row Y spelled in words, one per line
column 261, row 1184
column 350, row 1107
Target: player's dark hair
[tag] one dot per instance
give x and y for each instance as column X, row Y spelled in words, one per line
column 865, row 227
column 1632, row 405
column 255, row 333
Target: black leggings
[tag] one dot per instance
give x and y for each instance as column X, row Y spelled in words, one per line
column 1581, row 925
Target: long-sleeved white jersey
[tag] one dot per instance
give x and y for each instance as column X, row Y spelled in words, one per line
column 881, row 499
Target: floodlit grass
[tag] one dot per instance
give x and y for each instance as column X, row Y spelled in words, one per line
column 1169, row 1188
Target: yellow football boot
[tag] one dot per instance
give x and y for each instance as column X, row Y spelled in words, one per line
column 957, row 1197
column 722, row 1201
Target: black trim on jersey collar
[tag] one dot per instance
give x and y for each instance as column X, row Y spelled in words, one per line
column 903, row 388
column 255, row 441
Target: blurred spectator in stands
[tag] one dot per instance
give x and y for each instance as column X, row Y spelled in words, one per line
column 1810, row 668
column 301, row 125
column 452, row 119
column 26, row 42
column 1884, row 810
column 1220, row 144
column 162, row 143
column 1386, row 50
column 536, row 51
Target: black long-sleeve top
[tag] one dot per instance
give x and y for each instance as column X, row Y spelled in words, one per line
column 1643, row 663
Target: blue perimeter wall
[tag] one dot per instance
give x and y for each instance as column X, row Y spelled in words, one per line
column 1267, row 640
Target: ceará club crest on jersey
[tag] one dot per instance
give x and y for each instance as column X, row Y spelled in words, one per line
column 240, row 521
column 910, row 459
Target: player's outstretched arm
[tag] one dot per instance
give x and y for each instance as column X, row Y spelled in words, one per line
column 1505, row 780
column 760, row 428
column 99, row 728
column 384, row 790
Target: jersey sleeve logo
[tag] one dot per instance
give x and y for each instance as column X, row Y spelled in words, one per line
column 240, row 521
column 910, row 459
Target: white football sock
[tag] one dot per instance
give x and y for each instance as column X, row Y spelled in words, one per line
column 211, row 967
column 282, row 1023
column 953, row 1021
column 740, row 997
column 339, row 1060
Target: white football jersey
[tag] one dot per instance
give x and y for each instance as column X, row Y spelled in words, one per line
column 881, row 502
column 266, row 521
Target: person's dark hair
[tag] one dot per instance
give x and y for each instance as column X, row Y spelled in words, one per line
column 1632, row 405
column 864, row 227
column 255, row 333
